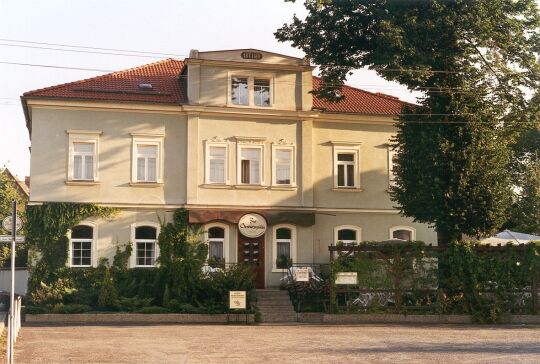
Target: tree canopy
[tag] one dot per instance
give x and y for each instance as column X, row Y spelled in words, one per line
column 474, row 61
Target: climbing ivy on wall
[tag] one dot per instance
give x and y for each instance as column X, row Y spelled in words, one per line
column 46, row 233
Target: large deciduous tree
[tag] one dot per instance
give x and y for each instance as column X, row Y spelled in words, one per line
column 473, row 61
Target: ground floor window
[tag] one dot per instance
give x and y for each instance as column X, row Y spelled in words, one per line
column 347, row 235
column 145, row 246
column 404, row 233
column 283, row 246
column 81, row 240
column 217, row 237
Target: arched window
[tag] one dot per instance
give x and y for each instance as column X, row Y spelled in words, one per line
column 284, row 246
column 81, row 245
column 347, row 235
column 216, row 242
column 404, row 233
column 145, row 246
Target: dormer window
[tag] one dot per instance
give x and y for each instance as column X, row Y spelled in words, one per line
column 253, row 89
column 239, row 91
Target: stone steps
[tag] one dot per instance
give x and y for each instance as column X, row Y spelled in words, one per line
column 275, row 306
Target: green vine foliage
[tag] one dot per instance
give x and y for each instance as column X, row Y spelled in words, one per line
column 46, row 234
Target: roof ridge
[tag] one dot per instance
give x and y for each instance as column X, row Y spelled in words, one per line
column 378, row 94
column 30, row 93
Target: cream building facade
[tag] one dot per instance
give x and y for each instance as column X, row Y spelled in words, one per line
column 236, row 138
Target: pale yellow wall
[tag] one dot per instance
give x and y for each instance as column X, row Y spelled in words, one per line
column 49, row 160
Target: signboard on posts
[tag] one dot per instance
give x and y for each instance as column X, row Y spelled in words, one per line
column 237, row 300
column 301, row 275
column 347, row 278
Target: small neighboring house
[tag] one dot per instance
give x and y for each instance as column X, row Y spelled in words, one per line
column 508, row 236
column 23, row 187
column 235, row 137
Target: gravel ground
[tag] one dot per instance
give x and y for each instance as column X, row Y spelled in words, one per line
column 277, row 344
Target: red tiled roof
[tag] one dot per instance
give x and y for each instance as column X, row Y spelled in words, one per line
column 124, row 85
column 359, row 102
column 168, row 88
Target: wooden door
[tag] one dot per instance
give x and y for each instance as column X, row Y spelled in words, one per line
column 251, row 251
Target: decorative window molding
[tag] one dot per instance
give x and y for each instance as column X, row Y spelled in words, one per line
column 250, row 156
column 137, row 258
column 346, row 161
column 254, row 89
column 283, row 240
column 400, row 232
column 216, row 163
column 224, row 239
column 347, row 234
column 78, row 247
column 83, row 156
column 283, row 164
column 147, row 158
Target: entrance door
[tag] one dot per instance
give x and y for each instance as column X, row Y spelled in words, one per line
column 251, row 251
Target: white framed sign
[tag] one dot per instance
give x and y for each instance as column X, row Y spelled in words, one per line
column 347, row 278
column 8, row 221
column 301, row 275
column 237, row 299
column 252, row 225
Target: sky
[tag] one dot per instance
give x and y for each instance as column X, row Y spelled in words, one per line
column 164, row 26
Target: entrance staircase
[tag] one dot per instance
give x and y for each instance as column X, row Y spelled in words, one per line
column 275, row 306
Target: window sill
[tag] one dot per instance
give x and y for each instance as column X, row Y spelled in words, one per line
column 346, row 189
column 278, row 270
column 250, row 187
column 283, row 187
column 80, row 266
column 144, row 266
column 146, row 184
column 82, row 183
column 217, row 186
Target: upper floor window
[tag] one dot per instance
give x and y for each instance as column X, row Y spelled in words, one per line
column 404, row 233
column 216, row 164
column 346, row 166
column 145, row 246
column 83, row 159
column 261, row 92
column 147, row 161
column 250, row 165
column 283, row 164
column 81, row 245
column 147, row 156
column 251, row 89
column 239, row 91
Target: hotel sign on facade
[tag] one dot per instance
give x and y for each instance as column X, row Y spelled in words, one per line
column 252, row 225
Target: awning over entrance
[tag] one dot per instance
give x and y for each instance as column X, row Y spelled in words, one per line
column 272, row 217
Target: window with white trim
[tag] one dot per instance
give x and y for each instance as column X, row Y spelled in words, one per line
column 346, row 166
column 250, row 165
column 147, row 160
column 404, row 233
column 81, row 245
column 216, row 170
column 250, row 88
column 239, row 91
column 145, row 246
column 392, row 157
column 347, row 235
column 284, row 246
column 216, row 236
column 283, row 165
column 83, row 155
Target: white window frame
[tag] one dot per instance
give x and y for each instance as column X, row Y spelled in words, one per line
column 88, row 137
column 208, row 145
column 357, row 229
column 348, row 148
column 391, row 175
column 274, row 245
column 93, row 250
column 225, row 228
column 133, row 258
column 147, row 139
column 407, row 228
column 250, row 143
column 292, row 149
column 251, row 76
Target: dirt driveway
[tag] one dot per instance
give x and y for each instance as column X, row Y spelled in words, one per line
column 277, row 344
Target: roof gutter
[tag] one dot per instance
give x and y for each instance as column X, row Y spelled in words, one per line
column 27, row 116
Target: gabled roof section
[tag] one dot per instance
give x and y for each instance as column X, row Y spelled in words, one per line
column 359, row 102
column 164, row 76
